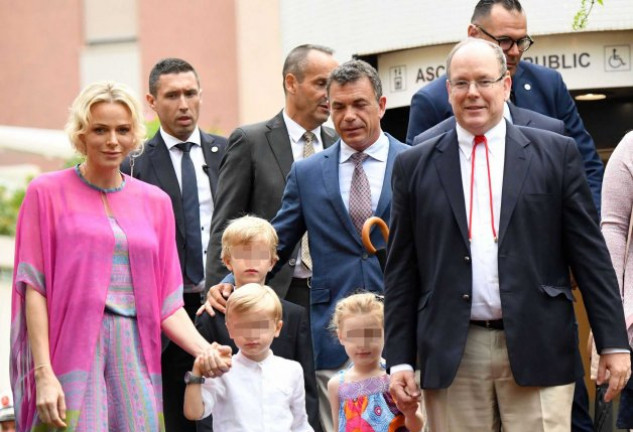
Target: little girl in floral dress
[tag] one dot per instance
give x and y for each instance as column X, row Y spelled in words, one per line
column 359, row 395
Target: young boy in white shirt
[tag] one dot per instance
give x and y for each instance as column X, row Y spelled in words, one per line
column 262, row 392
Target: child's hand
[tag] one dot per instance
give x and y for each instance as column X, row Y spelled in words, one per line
column 197, row 366
column 408, row 408
column 215, row 360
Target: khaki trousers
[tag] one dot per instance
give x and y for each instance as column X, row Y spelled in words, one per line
column 484, row 396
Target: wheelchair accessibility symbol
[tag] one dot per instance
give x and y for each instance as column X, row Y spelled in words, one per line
column 617, row 58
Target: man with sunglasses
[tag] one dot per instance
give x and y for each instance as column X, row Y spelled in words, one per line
column 533, row 87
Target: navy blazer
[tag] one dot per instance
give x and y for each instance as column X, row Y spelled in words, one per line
column 547, row 225
column 340, row 264
column 535, row 88
column 154, row 166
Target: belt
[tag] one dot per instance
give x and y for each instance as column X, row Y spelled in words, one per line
column 492, row 324
column 301, row 282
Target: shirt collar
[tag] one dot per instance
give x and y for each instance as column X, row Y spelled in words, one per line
column 171, row 141
column 296, row 131
column 495, row 137
column 378, row 150
column 250, row 363
column 506, row 112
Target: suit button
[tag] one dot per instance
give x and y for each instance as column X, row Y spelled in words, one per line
column 466, row 298
column 365, row 255
column 467, row 258
column 292, row 262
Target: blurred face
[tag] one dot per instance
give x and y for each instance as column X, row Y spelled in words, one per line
column 477, row 107
column 250, row 263
column 500, row 23
column 109, row 136
column 356, row 113
column 177, row 103
column 253, row 332
column 363, row 339
column 306, row 99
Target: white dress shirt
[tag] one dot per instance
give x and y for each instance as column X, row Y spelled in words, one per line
column 375, row 166
column 204, row 187
column 266, row 396
column 486, row 302
column 295, row 133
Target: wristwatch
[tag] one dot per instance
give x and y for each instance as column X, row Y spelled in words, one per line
column 193, row 379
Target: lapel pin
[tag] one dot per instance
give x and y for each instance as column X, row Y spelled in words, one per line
column 214, row 149
column 527, row 86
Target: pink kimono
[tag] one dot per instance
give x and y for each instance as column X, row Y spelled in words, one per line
column 64, row 249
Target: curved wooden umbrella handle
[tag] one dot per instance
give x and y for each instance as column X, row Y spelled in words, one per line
column 384, row 229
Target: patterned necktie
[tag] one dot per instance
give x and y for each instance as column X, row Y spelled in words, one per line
column 308, row 150
column 191, row 207
column 360, row 193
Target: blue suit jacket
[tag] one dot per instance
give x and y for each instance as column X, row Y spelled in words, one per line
column 535, row 88
column 340, row 265
column 547, row 224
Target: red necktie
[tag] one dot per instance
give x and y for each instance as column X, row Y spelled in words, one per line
column 480, row 139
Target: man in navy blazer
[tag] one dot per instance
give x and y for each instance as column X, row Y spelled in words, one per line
column 517, row 116
column 534, row 87
column 175, row 95
column 487, row 220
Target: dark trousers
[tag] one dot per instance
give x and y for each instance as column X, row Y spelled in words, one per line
column 299, row 292
column 175, row 363
column 580, row 418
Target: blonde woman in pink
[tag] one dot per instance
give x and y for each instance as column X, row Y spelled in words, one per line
column 96, row 280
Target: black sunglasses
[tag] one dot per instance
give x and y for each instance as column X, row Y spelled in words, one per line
column 506, row 43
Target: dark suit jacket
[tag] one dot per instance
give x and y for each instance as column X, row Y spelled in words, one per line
column 340, row 264
column 520, row 117
column 154, row 166
column 252, row 179
column 535, row 88
column 547, row 225
column 294, row 343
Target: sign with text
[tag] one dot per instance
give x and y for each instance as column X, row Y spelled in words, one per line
column 585, row 60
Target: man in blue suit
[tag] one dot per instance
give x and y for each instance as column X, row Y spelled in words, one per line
column 322, row 198
column 318, row 199
column 533, row 87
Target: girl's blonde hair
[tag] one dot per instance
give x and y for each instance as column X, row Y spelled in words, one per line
column 104, row 91
column 361, row 303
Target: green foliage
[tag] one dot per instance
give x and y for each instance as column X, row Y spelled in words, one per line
column 10, row 203
column 582, row 16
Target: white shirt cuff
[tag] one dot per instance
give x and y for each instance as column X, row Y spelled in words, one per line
column 613, row 351
column 400, row 368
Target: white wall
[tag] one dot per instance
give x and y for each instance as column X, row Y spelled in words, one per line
column 376, row 26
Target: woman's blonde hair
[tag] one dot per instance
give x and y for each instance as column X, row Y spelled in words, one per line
column 361, row 303
column 104, row 91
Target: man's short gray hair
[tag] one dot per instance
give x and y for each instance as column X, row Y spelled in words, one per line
column 352, row 71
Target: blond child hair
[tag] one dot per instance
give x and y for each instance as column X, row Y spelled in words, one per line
column 254, row 297
column 361, row 303
column 244, row 231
